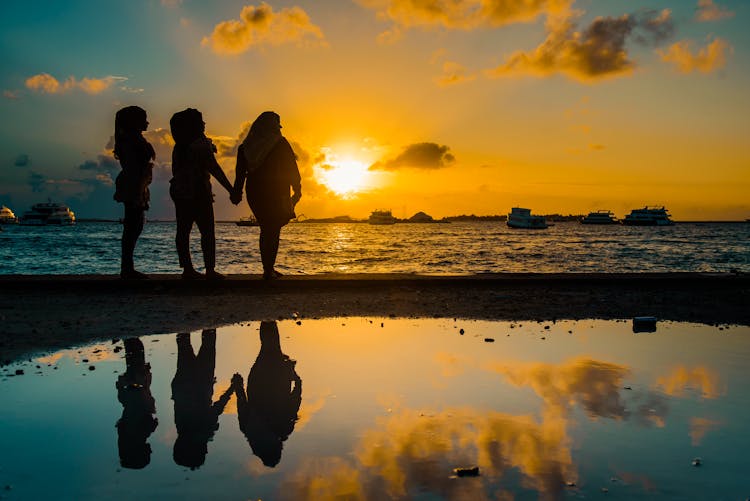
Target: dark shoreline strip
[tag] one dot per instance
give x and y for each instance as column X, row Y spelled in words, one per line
column 47, row 312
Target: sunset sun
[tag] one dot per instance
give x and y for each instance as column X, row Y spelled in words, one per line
column 345, row 177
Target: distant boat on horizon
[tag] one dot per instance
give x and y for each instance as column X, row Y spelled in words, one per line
column 48, row 213
column 247, row 221
column 523, row 219
column 648, row 216
column 7, row 216
column 381, row 217
column 600, row 217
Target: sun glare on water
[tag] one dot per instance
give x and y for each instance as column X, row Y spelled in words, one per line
column 345, row 177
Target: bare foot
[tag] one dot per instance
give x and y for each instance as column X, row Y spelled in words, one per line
column 214, row 275
column 191, row 274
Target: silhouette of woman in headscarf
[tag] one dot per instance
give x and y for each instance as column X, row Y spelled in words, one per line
column 136, row 158
column 138, row 408
column 267, row 413
column 196, row 416
column 193, row 164
column 266, row 160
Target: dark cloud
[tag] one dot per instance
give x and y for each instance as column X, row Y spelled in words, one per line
column 654, row 27
column 22, row 160
column 599, row 51
column 104, row 164
column 418, row 156
column 37, row 182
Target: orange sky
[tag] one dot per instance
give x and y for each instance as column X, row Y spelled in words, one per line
column 471, row 106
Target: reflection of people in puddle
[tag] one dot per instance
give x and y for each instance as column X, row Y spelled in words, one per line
column 268, row 412
column 138, row 408
column 195, row 415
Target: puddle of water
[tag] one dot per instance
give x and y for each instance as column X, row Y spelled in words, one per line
column 385, row 408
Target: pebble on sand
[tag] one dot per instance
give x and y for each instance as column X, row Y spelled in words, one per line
column 489, row 340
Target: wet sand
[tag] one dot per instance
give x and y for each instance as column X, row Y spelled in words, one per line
column 43, row 313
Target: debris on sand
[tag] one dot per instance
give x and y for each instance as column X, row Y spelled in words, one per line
column 467, row 472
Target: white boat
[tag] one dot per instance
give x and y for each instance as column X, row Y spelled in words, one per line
column 49, row 213
column 648, row 216
column 522, row 218
column 600, row 217
column 381, row 216
column 7, row 216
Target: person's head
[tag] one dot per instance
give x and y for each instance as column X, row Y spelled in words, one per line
column 129, row 121
column 267, row 122
column 269, row 338
column 189, row 451
column 187, row 126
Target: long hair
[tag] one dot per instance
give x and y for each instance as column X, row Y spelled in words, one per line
column 129, row 122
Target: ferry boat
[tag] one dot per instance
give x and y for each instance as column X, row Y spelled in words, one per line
column 247, row 221
column 600, row 217
column 648, row 216
column 7, row 216
column 381, row 216
column 48, row 213
column 522, row 218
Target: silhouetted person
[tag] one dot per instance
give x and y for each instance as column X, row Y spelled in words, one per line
column 268, row 411
column 195, row 414
column 193, row 164
column 266, row 160
column 136, row 158
column 138, row 408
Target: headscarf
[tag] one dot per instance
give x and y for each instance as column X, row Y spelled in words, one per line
column 263, row 136
column 186, row 126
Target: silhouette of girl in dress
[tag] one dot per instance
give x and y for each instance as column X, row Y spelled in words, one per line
column 136, row 156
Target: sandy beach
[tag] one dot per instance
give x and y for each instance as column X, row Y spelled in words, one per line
column 42, row 313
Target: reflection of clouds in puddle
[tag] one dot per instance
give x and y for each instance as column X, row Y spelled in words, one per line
column 309, row 407
column 451, row 365
column 699, row 379
column 413, row 452
column 699, row 427
column 644, row 481
column 323, row 479
column 94, row 353
column 593, row 384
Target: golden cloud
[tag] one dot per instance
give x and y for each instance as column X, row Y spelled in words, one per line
column 699, row 427
column 593, row 384
column 259, row 26
column 412, row 452
column 453, row 74
column 710, row 58
column 699, row 379
column 708, row 11
column 46, row 83
column 462, row 14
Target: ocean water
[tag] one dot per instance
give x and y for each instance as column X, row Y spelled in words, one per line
column 380, row 408
column 455, row 248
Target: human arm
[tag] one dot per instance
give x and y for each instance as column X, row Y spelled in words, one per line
column 240, row 175
column 295, row 180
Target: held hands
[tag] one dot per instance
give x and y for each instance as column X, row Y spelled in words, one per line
column 235, row 196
